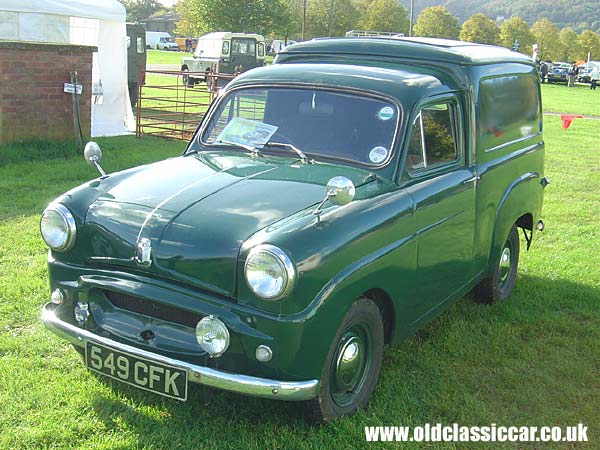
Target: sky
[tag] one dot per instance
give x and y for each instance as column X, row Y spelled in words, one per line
column 167, row 2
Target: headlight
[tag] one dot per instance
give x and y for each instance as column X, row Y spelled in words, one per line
column 212, row 335
column 57, row 226
column 269, row 272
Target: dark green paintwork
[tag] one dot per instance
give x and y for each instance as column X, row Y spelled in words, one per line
column 415, row 244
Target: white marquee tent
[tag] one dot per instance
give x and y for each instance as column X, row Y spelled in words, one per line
column 99, row 23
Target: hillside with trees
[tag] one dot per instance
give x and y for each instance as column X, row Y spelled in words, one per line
column 578, row 15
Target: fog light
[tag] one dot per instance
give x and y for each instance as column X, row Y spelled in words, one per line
column 263, row 353
column 82, row 312
column 57, row 297
column 212, row 335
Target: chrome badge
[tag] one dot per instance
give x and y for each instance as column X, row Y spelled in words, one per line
column 143, row 252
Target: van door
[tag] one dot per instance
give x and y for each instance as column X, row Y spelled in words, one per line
column 243, row 55
column 443, row 190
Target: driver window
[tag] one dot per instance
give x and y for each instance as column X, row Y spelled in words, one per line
column 432, row 140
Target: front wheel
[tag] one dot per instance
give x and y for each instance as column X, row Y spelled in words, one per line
column 498, row 286
column 352, row 365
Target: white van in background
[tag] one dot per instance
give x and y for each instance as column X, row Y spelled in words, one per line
column 279, row 44
column 160, row 40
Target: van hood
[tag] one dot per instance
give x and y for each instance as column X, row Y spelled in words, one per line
column 198, row 209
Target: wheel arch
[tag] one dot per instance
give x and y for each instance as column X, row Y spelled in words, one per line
column 519, row 205
column 386, row 307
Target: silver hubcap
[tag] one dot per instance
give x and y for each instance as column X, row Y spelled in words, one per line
column 504, row 264
column 349, row 363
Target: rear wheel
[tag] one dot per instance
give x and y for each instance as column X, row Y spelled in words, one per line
column 498, row 286
column 352, row 365
column 185, row 78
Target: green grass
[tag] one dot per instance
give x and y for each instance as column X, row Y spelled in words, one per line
column 534, row 360
column 578, row 99
column 165, row 57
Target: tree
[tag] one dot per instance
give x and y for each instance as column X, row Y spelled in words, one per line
column 571, row 48
column 384, row 15
column 190, row 19
column 140, row 9
column 547, row 38
column 436, row 21
column 479, row 28
column 256, row 16
column 590, row 42
column 514, row 30
column 345, row 17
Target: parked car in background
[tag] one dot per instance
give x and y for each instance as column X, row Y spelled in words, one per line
column 224, row 52
column 323, row 209
column 136, row 59
column 585, row 71
column 160, row 40
column 558, row 72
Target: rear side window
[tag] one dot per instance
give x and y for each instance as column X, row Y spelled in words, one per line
column 140, row 45
column 432, row 140
column 509, row 110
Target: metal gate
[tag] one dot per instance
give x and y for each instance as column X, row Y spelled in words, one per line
column 169, row 106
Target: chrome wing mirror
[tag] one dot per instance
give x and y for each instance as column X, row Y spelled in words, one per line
column 339, row 190
column 93, row 155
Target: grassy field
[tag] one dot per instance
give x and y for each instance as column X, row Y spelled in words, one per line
column 578, row 99
column 534, row 360
column 165, row 57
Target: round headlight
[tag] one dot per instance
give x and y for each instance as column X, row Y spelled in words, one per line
column 269, row 272
column 212, row 335
column 57, row 226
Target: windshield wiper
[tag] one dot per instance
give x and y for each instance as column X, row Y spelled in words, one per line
column 253, row 150
column 299, row 152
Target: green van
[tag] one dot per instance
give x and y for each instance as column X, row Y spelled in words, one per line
column 327, row 205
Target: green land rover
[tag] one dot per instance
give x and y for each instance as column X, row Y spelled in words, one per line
column 327, row 205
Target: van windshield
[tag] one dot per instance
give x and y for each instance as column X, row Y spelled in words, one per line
column 318, row 122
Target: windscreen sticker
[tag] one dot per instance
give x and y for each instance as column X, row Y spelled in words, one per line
column 378, row 154
column 246, row 132
column 385, row 113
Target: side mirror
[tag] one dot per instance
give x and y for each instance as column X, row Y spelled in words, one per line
column 93, row 155
column 340, row 190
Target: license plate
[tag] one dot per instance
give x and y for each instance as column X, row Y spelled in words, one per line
column 143, row 373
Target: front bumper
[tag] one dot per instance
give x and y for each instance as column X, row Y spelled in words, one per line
column 242, row 384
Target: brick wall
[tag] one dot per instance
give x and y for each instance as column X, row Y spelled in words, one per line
column 33, row 104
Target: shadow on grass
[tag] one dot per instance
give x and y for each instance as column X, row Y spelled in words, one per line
column 473, row 364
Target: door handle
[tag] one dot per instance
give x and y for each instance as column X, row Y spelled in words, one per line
column 474, row 178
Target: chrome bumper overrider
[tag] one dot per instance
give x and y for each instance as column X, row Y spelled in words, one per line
column 243, row 384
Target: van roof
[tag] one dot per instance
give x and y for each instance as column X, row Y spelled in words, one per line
column 444, row 50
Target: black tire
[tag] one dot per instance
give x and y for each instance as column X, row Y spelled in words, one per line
column 360, row 336
column 498, row 286
column 186, row 80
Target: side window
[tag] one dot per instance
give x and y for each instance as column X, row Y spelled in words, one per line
column 508, row 110
column 261, row 49
column 226, row 47
column 140, row 45
column 432, row 141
